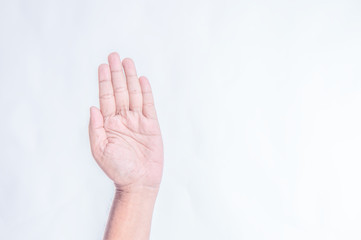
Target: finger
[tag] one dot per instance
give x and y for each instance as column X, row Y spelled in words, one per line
column 119, row 83
column 106, row 94
column 97, row 135
column 134, row 91
column 148, row 100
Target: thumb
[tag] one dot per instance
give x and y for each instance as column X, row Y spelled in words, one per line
column 97, row 135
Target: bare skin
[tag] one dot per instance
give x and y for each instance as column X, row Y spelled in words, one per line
column 126, row 142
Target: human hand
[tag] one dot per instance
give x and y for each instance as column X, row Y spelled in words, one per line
column 125, row 136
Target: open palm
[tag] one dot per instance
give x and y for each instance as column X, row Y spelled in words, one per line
column 125, row 136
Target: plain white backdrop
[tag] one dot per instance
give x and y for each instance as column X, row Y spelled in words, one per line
column 259, row 104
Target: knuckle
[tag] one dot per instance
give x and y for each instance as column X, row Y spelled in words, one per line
column 149, row 104
column 103, row 80
column 106, row 96
column 116, row 73
column 135, row 91
column 132, row 76
column 120, row 89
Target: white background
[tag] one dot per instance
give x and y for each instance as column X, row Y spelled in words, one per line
column 259, row 104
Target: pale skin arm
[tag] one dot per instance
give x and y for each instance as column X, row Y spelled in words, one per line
column 126, row 143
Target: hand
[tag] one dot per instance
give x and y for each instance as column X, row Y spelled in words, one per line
column 125, row 136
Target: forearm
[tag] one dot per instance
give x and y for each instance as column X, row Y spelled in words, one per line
column 131, row 214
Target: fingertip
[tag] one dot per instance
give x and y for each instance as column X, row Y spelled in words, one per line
column 103, row 71
column 113, row 56
column 93, row 109
column 102, row 66
column 143, row 77
column 96, row 116
column 127, row 61
column 144, row 82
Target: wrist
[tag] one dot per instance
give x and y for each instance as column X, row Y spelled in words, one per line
column 136, row 187
column 135, row 192
column 131, row 212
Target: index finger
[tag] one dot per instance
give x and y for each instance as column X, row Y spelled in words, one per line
column 106, row 94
